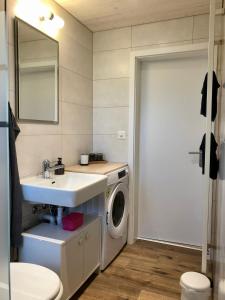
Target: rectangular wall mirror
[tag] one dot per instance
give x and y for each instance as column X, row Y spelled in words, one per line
column 37, row 66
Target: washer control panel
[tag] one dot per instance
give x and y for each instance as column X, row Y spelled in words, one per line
column 122, row 174
column 118, row 176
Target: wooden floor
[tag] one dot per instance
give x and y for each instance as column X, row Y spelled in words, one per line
column 142, row 271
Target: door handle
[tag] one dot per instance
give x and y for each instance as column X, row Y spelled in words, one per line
column 86, row 236
column 80, row 242
column 4, row 124
column 193, row 152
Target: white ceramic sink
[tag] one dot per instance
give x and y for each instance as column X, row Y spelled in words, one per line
column 69, row 190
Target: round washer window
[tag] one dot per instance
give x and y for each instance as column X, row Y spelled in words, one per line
column 118, row 208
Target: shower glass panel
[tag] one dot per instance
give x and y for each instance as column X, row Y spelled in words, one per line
column 4, row 161
column 218, row 207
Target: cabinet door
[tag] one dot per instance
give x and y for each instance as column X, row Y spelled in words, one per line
column 92, row 247
column 73, row 265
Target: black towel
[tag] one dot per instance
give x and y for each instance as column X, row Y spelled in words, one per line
column 215, row 87
column 16, row 195
column 214, row 163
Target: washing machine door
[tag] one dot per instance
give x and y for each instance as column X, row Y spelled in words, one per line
column 118, row 211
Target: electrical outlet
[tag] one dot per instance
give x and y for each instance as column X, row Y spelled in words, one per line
column 121, row 135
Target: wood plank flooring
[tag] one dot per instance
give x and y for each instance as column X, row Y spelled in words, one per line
column 142, row 271
column 145, row 295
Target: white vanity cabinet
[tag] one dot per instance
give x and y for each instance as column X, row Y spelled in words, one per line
column 74, row 256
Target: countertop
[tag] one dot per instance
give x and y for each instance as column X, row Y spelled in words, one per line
column 102, row 168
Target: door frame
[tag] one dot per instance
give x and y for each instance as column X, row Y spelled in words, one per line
column 136, row 57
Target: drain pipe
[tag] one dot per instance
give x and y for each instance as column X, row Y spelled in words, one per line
column 48, row 217
column 59, row 215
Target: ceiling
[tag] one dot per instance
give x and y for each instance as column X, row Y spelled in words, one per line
column 100, row 15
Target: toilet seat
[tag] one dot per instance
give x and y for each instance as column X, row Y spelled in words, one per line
column 195, row 281
column 34, row 282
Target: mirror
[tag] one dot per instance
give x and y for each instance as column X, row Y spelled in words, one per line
column 36, row 75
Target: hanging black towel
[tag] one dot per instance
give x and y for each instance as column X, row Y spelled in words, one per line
column 214, row 163
column 15, row 187
column 215, row 87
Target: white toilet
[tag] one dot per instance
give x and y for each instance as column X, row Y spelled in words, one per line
column 33, row 282
column 195, row 286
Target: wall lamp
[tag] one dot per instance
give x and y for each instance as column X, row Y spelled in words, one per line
column 55, row 20
column 37, row 13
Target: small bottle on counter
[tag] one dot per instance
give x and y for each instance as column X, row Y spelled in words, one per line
column 59, row 163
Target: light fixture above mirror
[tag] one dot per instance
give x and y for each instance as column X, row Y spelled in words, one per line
column 40, row 15
column 50, row 16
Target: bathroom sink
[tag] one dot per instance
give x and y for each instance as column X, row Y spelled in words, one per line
column 69, row 190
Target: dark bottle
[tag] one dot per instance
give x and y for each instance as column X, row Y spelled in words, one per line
column 59, row 171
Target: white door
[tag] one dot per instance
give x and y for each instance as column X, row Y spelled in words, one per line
column 170, row 180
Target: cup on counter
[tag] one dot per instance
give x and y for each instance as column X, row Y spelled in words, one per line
column 99, row 156
column 84, row 159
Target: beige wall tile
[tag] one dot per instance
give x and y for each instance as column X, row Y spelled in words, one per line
column 114, row 150
column 40, row 129
column 27, row 209
column 74, row 145
column 111, row 64
column 32, row 150
column 201, row 27
column 76, row 31
column 111, row 92
column 110, row 120
column 76, row 119
column 112, row 39
column 162, row 32
column 29, row 219
column 77, row 59
column 76, row 89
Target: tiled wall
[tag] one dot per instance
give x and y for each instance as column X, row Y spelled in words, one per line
column 73, row 135
column 111, row 73
column 109, row 93
column 74, row 132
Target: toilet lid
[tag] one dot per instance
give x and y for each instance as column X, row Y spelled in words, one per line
column 195, row 281
column 33, row 282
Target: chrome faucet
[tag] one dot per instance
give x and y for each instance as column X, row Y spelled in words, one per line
column 48, row 167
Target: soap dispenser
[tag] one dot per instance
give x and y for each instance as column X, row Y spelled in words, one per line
column 60, row 170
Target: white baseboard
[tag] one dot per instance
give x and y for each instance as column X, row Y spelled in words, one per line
column 172, row 244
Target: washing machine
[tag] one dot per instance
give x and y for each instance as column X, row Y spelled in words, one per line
column 115, row 215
